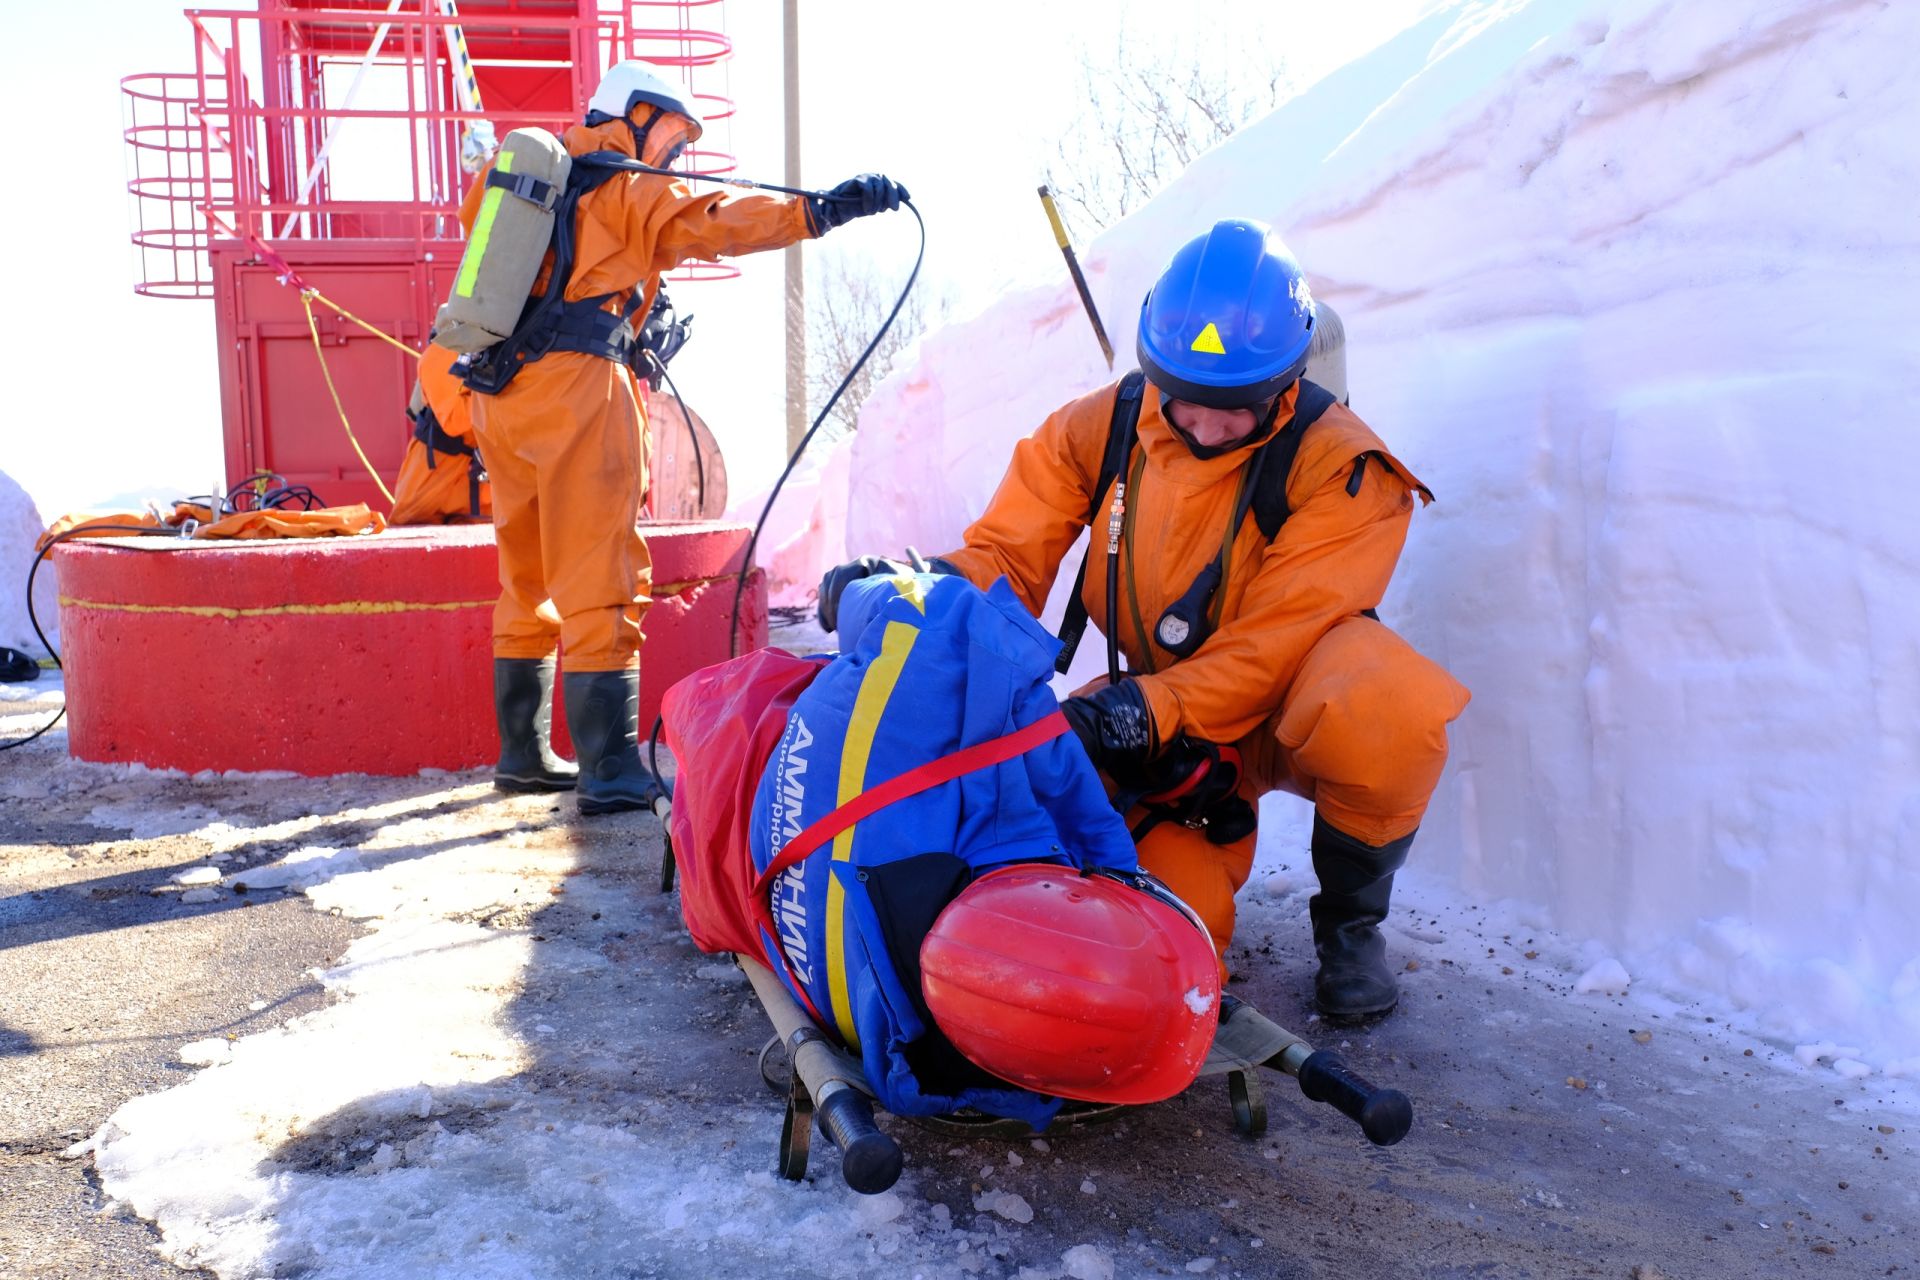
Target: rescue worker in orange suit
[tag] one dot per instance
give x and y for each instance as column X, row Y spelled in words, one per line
column 564, row 439
column 1266, row 644
column 442, row 479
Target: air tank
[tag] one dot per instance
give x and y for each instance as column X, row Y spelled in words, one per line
column 1327, row 353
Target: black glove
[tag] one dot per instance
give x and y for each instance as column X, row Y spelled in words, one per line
column 854, row 198
column 835, row 581
column 1116, row 728
column 1196, row 783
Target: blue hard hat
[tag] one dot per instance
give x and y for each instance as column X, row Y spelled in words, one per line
column 1228, row 323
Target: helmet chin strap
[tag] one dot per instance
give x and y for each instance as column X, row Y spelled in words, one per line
column 640, row 132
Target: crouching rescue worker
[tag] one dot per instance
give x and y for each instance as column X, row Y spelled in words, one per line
column 442, row 477
column 559, row 419
column 1245, row 525
column 909, row 837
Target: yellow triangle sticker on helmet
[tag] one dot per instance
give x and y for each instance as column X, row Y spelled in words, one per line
column 1209, row 341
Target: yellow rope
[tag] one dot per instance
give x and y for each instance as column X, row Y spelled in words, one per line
column 381, row 334
column 306, row 300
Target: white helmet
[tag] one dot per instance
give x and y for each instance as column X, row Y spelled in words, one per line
column 629, row 82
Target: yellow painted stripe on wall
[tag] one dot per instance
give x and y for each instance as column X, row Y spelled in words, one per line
column 876, row 687
column 279, row 610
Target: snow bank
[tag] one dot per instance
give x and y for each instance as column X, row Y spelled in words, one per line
column 804, row 534
column 1635, row 286
column 20, row 528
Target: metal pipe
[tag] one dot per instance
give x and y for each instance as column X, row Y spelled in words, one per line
column 870, row 1161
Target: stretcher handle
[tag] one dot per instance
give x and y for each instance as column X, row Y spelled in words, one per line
column 870, row 1161
column 1384, row 1115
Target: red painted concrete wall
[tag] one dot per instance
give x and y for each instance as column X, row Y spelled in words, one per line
column 338, row 655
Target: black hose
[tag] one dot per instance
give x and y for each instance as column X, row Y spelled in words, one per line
column 746, row 565
column 33, row 618
column 653, row 755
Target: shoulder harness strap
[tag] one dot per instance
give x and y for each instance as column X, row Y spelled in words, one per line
column 1120, row 433
column 1270, row 509
column 549, row 322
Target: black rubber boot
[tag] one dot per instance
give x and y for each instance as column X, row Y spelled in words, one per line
column 1356, row 881
column 602, row 712
column 523, row 704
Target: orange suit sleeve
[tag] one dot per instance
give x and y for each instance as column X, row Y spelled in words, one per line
column 680, row 224
column 1041, row 504
column 1332, row 559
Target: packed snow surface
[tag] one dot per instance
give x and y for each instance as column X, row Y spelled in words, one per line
column 524, row 1068
column 1635, row 286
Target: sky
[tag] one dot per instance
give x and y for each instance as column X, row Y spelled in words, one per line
column 962, row 106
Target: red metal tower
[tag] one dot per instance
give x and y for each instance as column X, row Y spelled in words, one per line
column 325, row 137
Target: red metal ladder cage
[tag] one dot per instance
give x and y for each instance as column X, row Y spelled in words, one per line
column 326, row 135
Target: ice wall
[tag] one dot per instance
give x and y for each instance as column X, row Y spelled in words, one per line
column 1635, row 286
column 20, row 527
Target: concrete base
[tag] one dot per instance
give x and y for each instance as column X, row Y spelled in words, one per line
column 339, row 655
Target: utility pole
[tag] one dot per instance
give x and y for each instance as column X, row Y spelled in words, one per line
column 796, row 274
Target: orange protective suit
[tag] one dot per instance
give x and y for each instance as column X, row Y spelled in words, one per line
column 565, row 442
column 435, row 487
column 1321, row 700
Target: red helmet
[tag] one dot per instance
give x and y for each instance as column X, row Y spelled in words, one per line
column 1099, row 986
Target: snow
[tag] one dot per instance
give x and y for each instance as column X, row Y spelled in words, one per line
column 50, row 687
column 802, row 537
column 1088, row 1262
column 1197, row 1002
column 206, row 1053
column 1809, row 1054
column 1609, row 977
column 1664, row 397
column 303, row 868
column 20, row 527
column 1007, row 1204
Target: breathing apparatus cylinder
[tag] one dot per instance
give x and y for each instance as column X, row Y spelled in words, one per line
column 1327, row 354
column 510, row 238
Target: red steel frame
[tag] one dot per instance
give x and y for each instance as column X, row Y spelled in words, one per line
column 219, row 156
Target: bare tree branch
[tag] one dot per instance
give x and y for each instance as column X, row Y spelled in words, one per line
column 1149, row 111
column 845, row 307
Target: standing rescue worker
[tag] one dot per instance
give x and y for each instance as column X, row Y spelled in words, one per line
column 1256, row 635
column 565, row 439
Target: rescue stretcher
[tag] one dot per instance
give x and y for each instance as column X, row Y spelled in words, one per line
column 828, row 1086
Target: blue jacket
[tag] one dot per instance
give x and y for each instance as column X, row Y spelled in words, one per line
column 935, row 665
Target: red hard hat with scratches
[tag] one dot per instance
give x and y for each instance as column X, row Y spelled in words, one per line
column 1098, row 986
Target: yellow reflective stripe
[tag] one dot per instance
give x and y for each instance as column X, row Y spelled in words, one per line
column 278, row 610
column 911, row 588
column 482, row 230
column 876, row 687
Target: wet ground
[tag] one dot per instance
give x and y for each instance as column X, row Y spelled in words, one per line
column 1556, row 1135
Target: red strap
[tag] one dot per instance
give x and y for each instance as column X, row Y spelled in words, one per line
column 931, row 774
column 981, row 755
